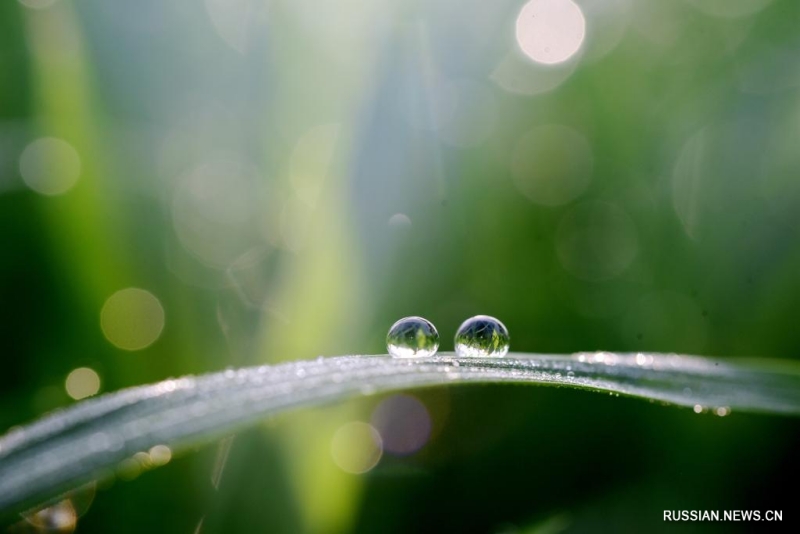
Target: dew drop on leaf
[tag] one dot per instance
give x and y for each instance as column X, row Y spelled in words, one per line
column 482, row 337
column 412, row 337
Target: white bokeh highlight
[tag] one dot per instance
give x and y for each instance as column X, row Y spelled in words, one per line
column 550, row 31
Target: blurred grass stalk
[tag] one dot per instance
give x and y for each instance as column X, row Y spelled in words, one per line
column 81, row 228
column 320, row 281
column 321, row 299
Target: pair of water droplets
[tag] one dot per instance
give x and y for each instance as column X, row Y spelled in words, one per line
column 478, row 337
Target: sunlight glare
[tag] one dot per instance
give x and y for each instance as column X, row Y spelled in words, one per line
column 550, row 31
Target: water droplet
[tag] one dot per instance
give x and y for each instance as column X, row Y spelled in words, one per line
column 482, row 336
column 412, row 337
column 60, row 517
column 698, row 408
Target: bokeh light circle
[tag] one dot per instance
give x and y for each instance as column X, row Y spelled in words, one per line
column 356, row 447
column 82, row 382
column 160, row 455
column 132, row 319
column 552, row 165
column 399, row 221
column 403, row 423
column 550, row 31
column 213, row 209
column 50, row 166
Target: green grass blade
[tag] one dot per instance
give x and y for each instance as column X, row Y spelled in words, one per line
column 89, row 439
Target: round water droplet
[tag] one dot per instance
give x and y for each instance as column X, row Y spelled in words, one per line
column 482, row 337
column 412, row 337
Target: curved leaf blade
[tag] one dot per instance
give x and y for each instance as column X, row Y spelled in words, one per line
column 87, row 440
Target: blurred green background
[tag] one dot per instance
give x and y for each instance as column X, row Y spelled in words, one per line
column 192, row 185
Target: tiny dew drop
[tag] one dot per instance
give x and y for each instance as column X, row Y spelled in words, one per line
column 482, row 337
column 412, row 337
column 60, row 517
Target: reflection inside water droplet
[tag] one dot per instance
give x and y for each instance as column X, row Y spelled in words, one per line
column 412, row 337
column 482, row 336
